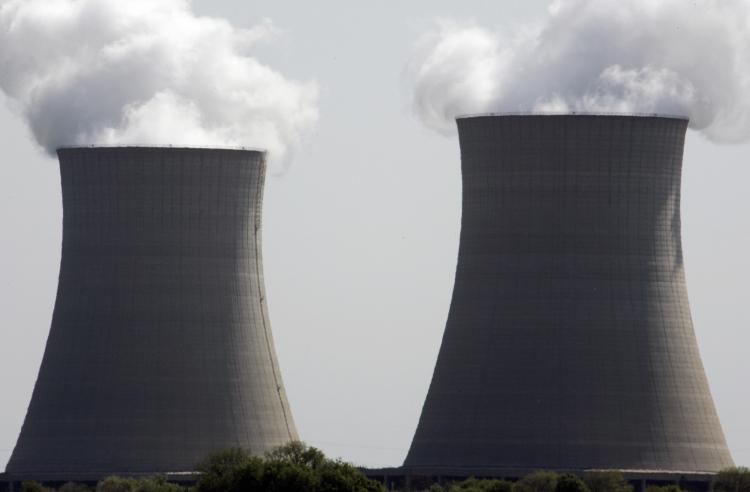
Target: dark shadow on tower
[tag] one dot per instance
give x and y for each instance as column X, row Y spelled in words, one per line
column 569, row 343
column 160, row 349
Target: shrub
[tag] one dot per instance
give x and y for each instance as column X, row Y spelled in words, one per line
column 31, row 486
column 734, row 479
column 120, row 484
column 607, row 481
column 539, row 481
column 664, row 488
column 570, row 483
column 74, row 487
column 117, row 484
column 157, row 484
column 337, row 476
column 499, row 486
column 480, row 485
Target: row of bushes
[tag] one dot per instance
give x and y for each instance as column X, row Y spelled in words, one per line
column 542, row 481
column 296, row 467
column 736, row 479
column 111, row 484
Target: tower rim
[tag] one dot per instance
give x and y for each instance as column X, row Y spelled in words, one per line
column 500, row 114
column 210, row 148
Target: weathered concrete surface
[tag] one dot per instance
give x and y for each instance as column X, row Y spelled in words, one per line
column 160, row 349
column 569, row 343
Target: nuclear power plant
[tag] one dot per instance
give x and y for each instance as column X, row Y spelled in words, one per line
column 569, row 344
column 160, row 349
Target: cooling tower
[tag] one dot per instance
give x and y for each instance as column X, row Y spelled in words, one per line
column 569, row 343
column 160, row 349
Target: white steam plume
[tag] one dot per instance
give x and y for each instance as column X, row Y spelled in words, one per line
column 637, row 56
column 118, row 72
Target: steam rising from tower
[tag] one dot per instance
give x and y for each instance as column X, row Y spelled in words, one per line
column 116, row 72
column 641, row 56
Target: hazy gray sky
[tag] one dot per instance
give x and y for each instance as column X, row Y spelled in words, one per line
column 361, row 235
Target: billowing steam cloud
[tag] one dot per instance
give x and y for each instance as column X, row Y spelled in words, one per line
column 637, row 56
column 145, row 72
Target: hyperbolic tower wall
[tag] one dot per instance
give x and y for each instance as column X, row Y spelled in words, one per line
column 569, row 343
column 160, row 349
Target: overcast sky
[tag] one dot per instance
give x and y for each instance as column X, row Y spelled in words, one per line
column 361, row 235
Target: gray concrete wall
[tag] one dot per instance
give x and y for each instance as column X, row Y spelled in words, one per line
column 160, row 348
column 569, row 343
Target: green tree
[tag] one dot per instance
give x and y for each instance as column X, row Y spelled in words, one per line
column 297, row 453
column 285, row 476
column 249, row 476
column 473, row 484
column 337, row 476
column 157, row 484
column 117, row 484
column 570, row 483
column 498, row 486
column 664, row 488
column 74, row 487
column 607, row 481
column 539, row 481
column 31, row 486
column 733, row 479
column 294, row 467
column 229, row 470
column 122, row 484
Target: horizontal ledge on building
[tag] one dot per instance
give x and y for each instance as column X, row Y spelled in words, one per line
column 573, row 113
column 162, row 147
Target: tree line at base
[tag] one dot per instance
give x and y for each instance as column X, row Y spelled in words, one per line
column 296, row 467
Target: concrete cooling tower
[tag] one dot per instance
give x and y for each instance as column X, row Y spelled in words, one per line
column 569, row 344
column 160, row 349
